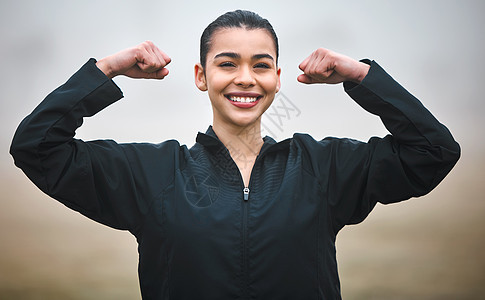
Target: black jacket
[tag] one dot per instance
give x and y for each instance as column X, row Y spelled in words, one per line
column 200, row 235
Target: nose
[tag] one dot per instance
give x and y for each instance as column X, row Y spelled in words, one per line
column 245, row 77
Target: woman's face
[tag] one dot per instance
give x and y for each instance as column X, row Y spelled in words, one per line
column 241, row 76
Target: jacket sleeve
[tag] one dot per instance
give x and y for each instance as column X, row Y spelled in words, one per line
column 409, row 162
column 94, row 178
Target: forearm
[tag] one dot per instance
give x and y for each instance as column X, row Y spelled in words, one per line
column 425, row 148
column 402, row 113
column 55, row 120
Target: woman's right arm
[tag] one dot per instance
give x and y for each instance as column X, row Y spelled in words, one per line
column 95, row 177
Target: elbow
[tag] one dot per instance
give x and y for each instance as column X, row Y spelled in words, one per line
column 426, row 167
column 16, row 148
column 448, row 157
column 23, row 148
column 445, row 153
column 21, row 157
column 20, row 142
column 451, row 153
column 26, row 157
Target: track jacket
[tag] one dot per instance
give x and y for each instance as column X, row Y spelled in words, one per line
column 201, row 233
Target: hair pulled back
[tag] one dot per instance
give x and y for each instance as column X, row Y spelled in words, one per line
column 235, row 19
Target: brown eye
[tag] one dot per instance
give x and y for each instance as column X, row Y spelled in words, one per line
column 262, row 65
column 227, row 64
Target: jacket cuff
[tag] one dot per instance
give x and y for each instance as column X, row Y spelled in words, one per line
column 94, row 87
column 349, row 85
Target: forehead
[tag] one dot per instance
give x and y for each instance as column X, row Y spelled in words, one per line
column 241, row 40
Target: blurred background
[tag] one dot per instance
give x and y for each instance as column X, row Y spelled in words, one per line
column 426, row 248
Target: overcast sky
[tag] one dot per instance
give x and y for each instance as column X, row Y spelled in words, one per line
column 434, row 48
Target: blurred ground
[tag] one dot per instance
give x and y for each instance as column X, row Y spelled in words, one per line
column 429, row 248
column 49, row 252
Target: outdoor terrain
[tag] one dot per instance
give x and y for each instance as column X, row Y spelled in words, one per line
column 429, row 248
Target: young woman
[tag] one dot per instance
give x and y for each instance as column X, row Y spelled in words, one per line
column 236, row 216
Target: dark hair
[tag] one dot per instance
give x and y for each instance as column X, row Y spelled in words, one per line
column 234, row 19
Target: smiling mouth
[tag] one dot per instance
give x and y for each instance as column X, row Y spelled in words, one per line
column 242, row 99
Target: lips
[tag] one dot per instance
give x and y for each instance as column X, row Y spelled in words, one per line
column 243, row 100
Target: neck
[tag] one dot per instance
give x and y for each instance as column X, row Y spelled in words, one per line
column 242, row 142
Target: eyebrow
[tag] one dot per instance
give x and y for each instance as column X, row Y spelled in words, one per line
column 237, row 56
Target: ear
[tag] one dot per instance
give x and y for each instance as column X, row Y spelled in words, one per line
column 278, row 86
column 200, row 80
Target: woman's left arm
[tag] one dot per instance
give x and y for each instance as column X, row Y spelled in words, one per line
column 410, row 162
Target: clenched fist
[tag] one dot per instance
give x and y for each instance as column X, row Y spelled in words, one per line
column 142, row 61
column 325, row 66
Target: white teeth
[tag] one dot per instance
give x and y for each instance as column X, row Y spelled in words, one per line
column 243, row 99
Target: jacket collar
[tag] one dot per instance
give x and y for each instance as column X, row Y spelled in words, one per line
column 210, row 141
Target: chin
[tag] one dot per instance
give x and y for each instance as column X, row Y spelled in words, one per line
column 245, row 121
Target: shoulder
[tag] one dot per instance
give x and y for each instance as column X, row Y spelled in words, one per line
column 147, row 148
column 318, row 155
column 164, row 154
column 326, row 144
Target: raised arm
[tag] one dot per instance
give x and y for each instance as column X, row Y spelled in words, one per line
column 95, row 178
column 410, row 162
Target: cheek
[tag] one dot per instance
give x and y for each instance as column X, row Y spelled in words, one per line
column 270, row 84
column 216, row 83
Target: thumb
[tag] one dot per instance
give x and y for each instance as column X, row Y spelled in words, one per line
column 160, row 74
column 303, row 78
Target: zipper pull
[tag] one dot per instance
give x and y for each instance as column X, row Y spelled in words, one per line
column 246, row 193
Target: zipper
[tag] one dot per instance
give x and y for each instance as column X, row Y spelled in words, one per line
column 245, row 233
column 246, row 193
column 245, row 250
